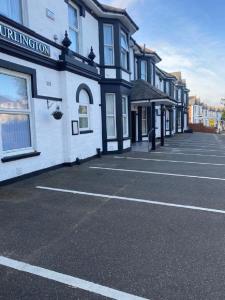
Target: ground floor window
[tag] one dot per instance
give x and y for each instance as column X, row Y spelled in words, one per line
column 125, row 115
column 110, row 115
column 144, row 121
column 167, row 120
column 84, row 110
column 179, row 119
column 15, row 112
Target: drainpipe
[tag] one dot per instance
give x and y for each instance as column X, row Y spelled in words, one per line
column 153, row 126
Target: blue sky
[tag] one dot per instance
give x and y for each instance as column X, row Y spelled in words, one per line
column 189, row 36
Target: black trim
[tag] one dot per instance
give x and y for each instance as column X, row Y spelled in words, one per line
column 86, row 131
column 19, row 156
column 39, row 172
column 25, row 29
column 32, row 72
column 85, row 87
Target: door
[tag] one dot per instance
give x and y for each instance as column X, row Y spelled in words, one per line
column 133, row 126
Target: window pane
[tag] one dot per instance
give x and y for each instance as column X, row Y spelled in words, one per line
column 15, row 130
column 124, row 105
column 125, row 129
column 83, row 122
column 12, row 9
column 124, row 59
column 108, row 35
column 144, row 126
column 73, row 17
column 74, row 39
column 16, row 10
column 124, row 43
column 5, row 7
column 110, row 109
column 13, row 92
column 83, row 110
column 110, row 123
column 108, row 55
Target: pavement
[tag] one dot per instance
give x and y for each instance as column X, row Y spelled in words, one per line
column 132, row 226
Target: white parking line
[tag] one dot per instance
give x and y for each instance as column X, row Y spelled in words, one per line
column 194, row 154
column 67, row 280
column 158, row 173
column 195, row 149
column 198, row 208
column 167, row 160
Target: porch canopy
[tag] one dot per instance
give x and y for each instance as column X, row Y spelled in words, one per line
column 144, row 93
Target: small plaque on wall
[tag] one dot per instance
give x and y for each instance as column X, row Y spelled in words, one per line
column 75, row 128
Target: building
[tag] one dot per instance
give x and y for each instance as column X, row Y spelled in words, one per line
column 201, row 113
column 75, row 83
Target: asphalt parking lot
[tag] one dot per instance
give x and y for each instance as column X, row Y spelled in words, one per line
column 132, row 226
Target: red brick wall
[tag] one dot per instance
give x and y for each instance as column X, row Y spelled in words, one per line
column 201, row 128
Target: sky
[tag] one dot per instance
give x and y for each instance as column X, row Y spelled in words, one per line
column 189, row 36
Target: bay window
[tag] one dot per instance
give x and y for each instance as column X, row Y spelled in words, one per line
column 108, row 44
column 12, row 9
column 111, row 115
column 73, row 13
column 124, row 50
column 15, row 112
column 125, row 115
column 144, row 70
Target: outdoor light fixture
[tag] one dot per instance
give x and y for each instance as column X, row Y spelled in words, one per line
column 57, row 114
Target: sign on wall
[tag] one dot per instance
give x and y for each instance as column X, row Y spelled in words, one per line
column 23, row 40
column 211, row 123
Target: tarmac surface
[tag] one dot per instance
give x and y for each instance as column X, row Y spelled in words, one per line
column 132, row 226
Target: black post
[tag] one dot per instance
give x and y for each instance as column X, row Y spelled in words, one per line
column 162, row 124
column 153, row 126
column 171, row 120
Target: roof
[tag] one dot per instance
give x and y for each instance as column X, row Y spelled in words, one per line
column 143, row 90
column 115, row 10
column 147, row 51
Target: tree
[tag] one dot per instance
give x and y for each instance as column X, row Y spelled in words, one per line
column 223, row 115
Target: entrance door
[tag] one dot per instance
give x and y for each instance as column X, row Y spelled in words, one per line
column 133, row 126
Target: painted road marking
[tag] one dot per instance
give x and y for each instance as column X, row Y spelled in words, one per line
column 158, row 173
column 159, row 203
column 67, row 280
column 167, row 160
column 181, row 153
column 194, row 149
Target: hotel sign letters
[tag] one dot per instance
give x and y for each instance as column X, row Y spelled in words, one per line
column 23, row 40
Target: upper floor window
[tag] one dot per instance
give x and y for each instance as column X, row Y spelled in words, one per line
column 12, row 9
column 144, row 70
column 152, row 74
column 124, row 50
column 108, row 44
column 15, row 112
column 179, row 95
column 73, row 27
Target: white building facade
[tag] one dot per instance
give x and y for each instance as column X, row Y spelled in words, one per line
column 67, row 70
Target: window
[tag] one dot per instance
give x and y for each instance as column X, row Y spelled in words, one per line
column 144, row 121
column 167, row 120
column 144, row 70
column 84, row 110
column 124, row 50
column 12, row 9
column 125, row 115
column 111, row 115
column 179, row 119
column 152, row 74
column 74, row 27
column 15, row 112
column 179, row 95
column 108, row 44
